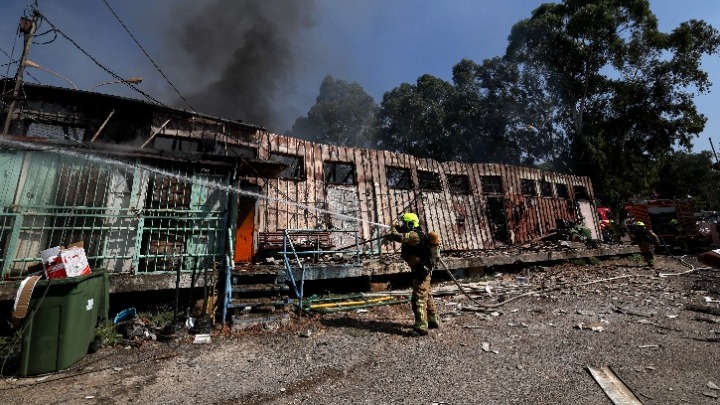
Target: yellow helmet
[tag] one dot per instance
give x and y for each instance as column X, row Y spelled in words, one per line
column 639, row 223
column 411, row 220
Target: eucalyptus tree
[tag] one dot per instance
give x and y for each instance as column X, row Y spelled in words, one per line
column 343, row 114
column 683, row 175
column 615, row 92
column 418, row 119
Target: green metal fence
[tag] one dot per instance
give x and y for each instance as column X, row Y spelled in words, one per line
column 130, row 218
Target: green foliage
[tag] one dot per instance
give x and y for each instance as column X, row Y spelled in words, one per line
column 10, row 346
column 161, row 317
column 683, row 174
column 343, row 114
column 416, row 119
column 590, row 87
column 636, row 258
column 107, row 334
column 623, row 89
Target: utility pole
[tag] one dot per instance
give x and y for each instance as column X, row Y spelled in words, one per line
column 27, row 27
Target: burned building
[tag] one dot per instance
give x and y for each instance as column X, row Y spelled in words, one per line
column 153, row 191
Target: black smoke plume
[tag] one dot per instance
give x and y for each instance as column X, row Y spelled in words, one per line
column 242, row 54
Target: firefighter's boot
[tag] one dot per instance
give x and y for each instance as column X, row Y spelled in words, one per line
column 420, row 327
column 432, row 313
column 433, row 322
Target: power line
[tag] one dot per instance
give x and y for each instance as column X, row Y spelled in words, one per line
column 110, row 72
column 146, row 54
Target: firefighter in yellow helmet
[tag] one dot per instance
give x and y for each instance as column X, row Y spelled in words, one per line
column 646, row 240
column 416, row 253
column 680, row 238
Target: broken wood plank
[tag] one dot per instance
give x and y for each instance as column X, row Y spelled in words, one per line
column 706, row 319
column 618, row 392
column 152, row 136
column 703, row 308
column 97, row 133
column 627, row 311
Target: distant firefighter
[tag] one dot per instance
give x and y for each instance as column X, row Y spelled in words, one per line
column 646, row 240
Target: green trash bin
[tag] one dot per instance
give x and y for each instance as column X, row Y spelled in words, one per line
column 61, row 324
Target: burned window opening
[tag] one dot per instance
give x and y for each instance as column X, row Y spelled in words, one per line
column 527, row 187
column 243, row 152
column 339, row 173
column 295, row 169
column 429, row 181
column 459, row 184
column 398, row 177
column 55, row 131
column 172, row 144
column 580, row 193
column 561, row 190
column 491, row 184
column 546, row 189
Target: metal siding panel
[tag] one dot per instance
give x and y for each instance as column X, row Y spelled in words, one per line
column 10, row 168
column 363, row 190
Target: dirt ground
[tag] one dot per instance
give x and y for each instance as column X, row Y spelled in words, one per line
column 533, row 349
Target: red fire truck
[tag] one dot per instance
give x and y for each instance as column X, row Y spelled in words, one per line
column 658, row 215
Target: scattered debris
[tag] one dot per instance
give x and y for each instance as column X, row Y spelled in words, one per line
column 485, row 346
column 614, row 387
column 711, row 394
column 595, row 327
column 651, row 323
column 125, row 315
column 706, row 319
column 712, row 386
column 202, row 338
column 703, row 308
column 647, row 346
column 626, row 311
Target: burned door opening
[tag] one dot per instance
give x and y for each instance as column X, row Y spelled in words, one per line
column 498, row 219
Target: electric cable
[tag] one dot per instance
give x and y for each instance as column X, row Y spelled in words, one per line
column 146, row 54
column 45, row 33
column 107, row 70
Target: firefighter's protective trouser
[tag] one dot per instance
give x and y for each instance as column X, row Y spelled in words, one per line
column 423, row 305
column 648, row 252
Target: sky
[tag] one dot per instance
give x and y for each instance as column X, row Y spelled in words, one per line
column 266, row 59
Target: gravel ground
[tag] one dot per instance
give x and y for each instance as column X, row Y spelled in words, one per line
column 534, row 349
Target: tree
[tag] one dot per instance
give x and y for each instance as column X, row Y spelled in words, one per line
column 499, row 113
column 622, row 91
column 416, row 119
column 689, row 174
column 343, row 114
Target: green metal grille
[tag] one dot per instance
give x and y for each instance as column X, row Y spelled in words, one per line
column 130, row 219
